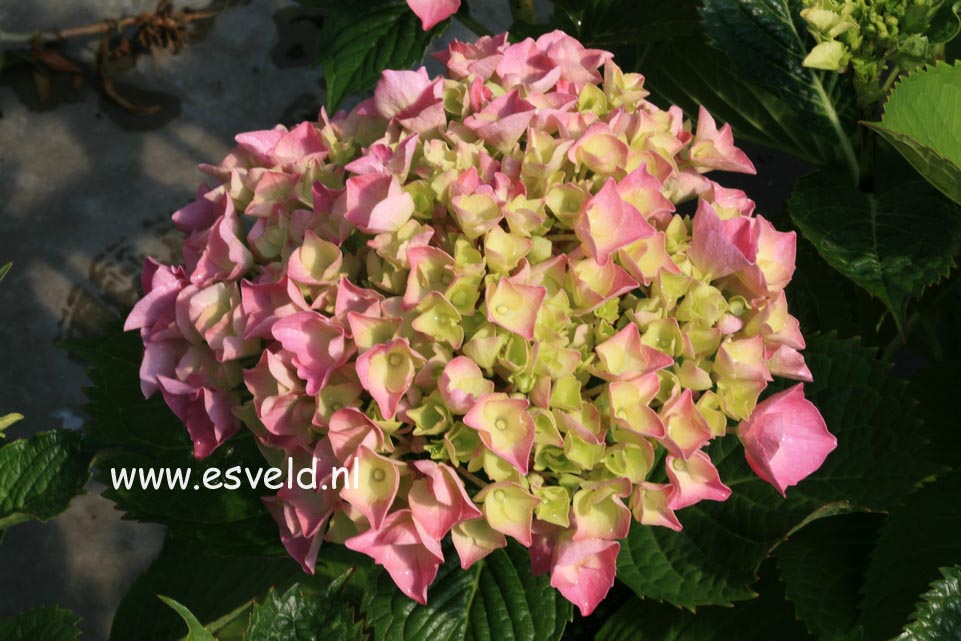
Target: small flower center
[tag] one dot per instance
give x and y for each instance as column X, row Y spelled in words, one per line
column 378, row 475
column 395, row 360
column 502, row 309
column 499, row 495
column 500, row 424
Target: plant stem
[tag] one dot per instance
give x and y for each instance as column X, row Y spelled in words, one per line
column 890, row 80
column 524, row 11
column 96, row 28
column 845, row 142
column 474, row 25
column 472, row 478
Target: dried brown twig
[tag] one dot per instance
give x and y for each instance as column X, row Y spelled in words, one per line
column 166, row 28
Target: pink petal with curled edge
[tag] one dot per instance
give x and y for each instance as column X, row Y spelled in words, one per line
column 461, row 383
column 411, row 559
column 503, row 121
column 433, row 12
column 198, row 215
column 299, row 143
column 578, row 64
column 439, row 501
column 301, row 548
column 776, row 252
column 225, row 257
column 514, row 307
column 387, row 372
column 377, row 203
column 583, row 571
column 714, row 149
column 479, row 58
column 161, row 284
column 524, row 64
column 261, row 143
column 351, row 298
column 643, row 191
column 318, row 346
column 722, row 247
column 789, row 363
column 206, row 412
column 264, row 304
column 349, row 429
column 398, row 90
column 624, row 356
column 694, row 480
column 505, row 427
column 786, row 439
column 160, row 358
column 606, row 223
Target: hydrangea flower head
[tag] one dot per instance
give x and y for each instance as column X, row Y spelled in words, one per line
column 510, row 298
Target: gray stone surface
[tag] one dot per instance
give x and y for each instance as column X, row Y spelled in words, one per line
column 86, row 191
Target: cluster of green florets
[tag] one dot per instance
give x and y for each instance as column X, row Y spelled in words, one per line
column 877, row 39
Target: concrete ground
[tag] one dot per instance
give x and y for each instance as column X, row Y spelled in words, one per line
column 86, row 190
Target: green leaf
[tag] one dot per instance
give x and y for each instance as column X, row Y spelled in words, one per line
column 302, row 616
column 893, row 243
column 361, row 39
column 922, row 121
column 688, row 72
column 767, row 41
column 210, row 585
column 4, row 269
column 914, row 542
column 195, row 629
column 714, row 559
column 39, row 476
column 762, row 619
column 40, row 624
column 497, row 598
column 938, row 617
column 939, row 407
column 612, row 24
column 131, row 432
column 823, row 302
column 822, row 568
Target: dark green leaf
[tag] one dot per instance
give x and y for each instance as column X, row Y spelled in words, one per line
column 939, row 408
column 612, row 24
column 822, row 568
column 195, row 629
column 39, row 476
column 714, row 560
column 922, row 121
column 361, row 39
column 914, row 542
column 210, row 585
column 131, row 432
column 4, row 269
column 893, row 243
column 762, row 619
column 938, row 617
column 497, row 598
column 40, row 624
column 688, row 72
column 767, row 41
column 297, row 615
